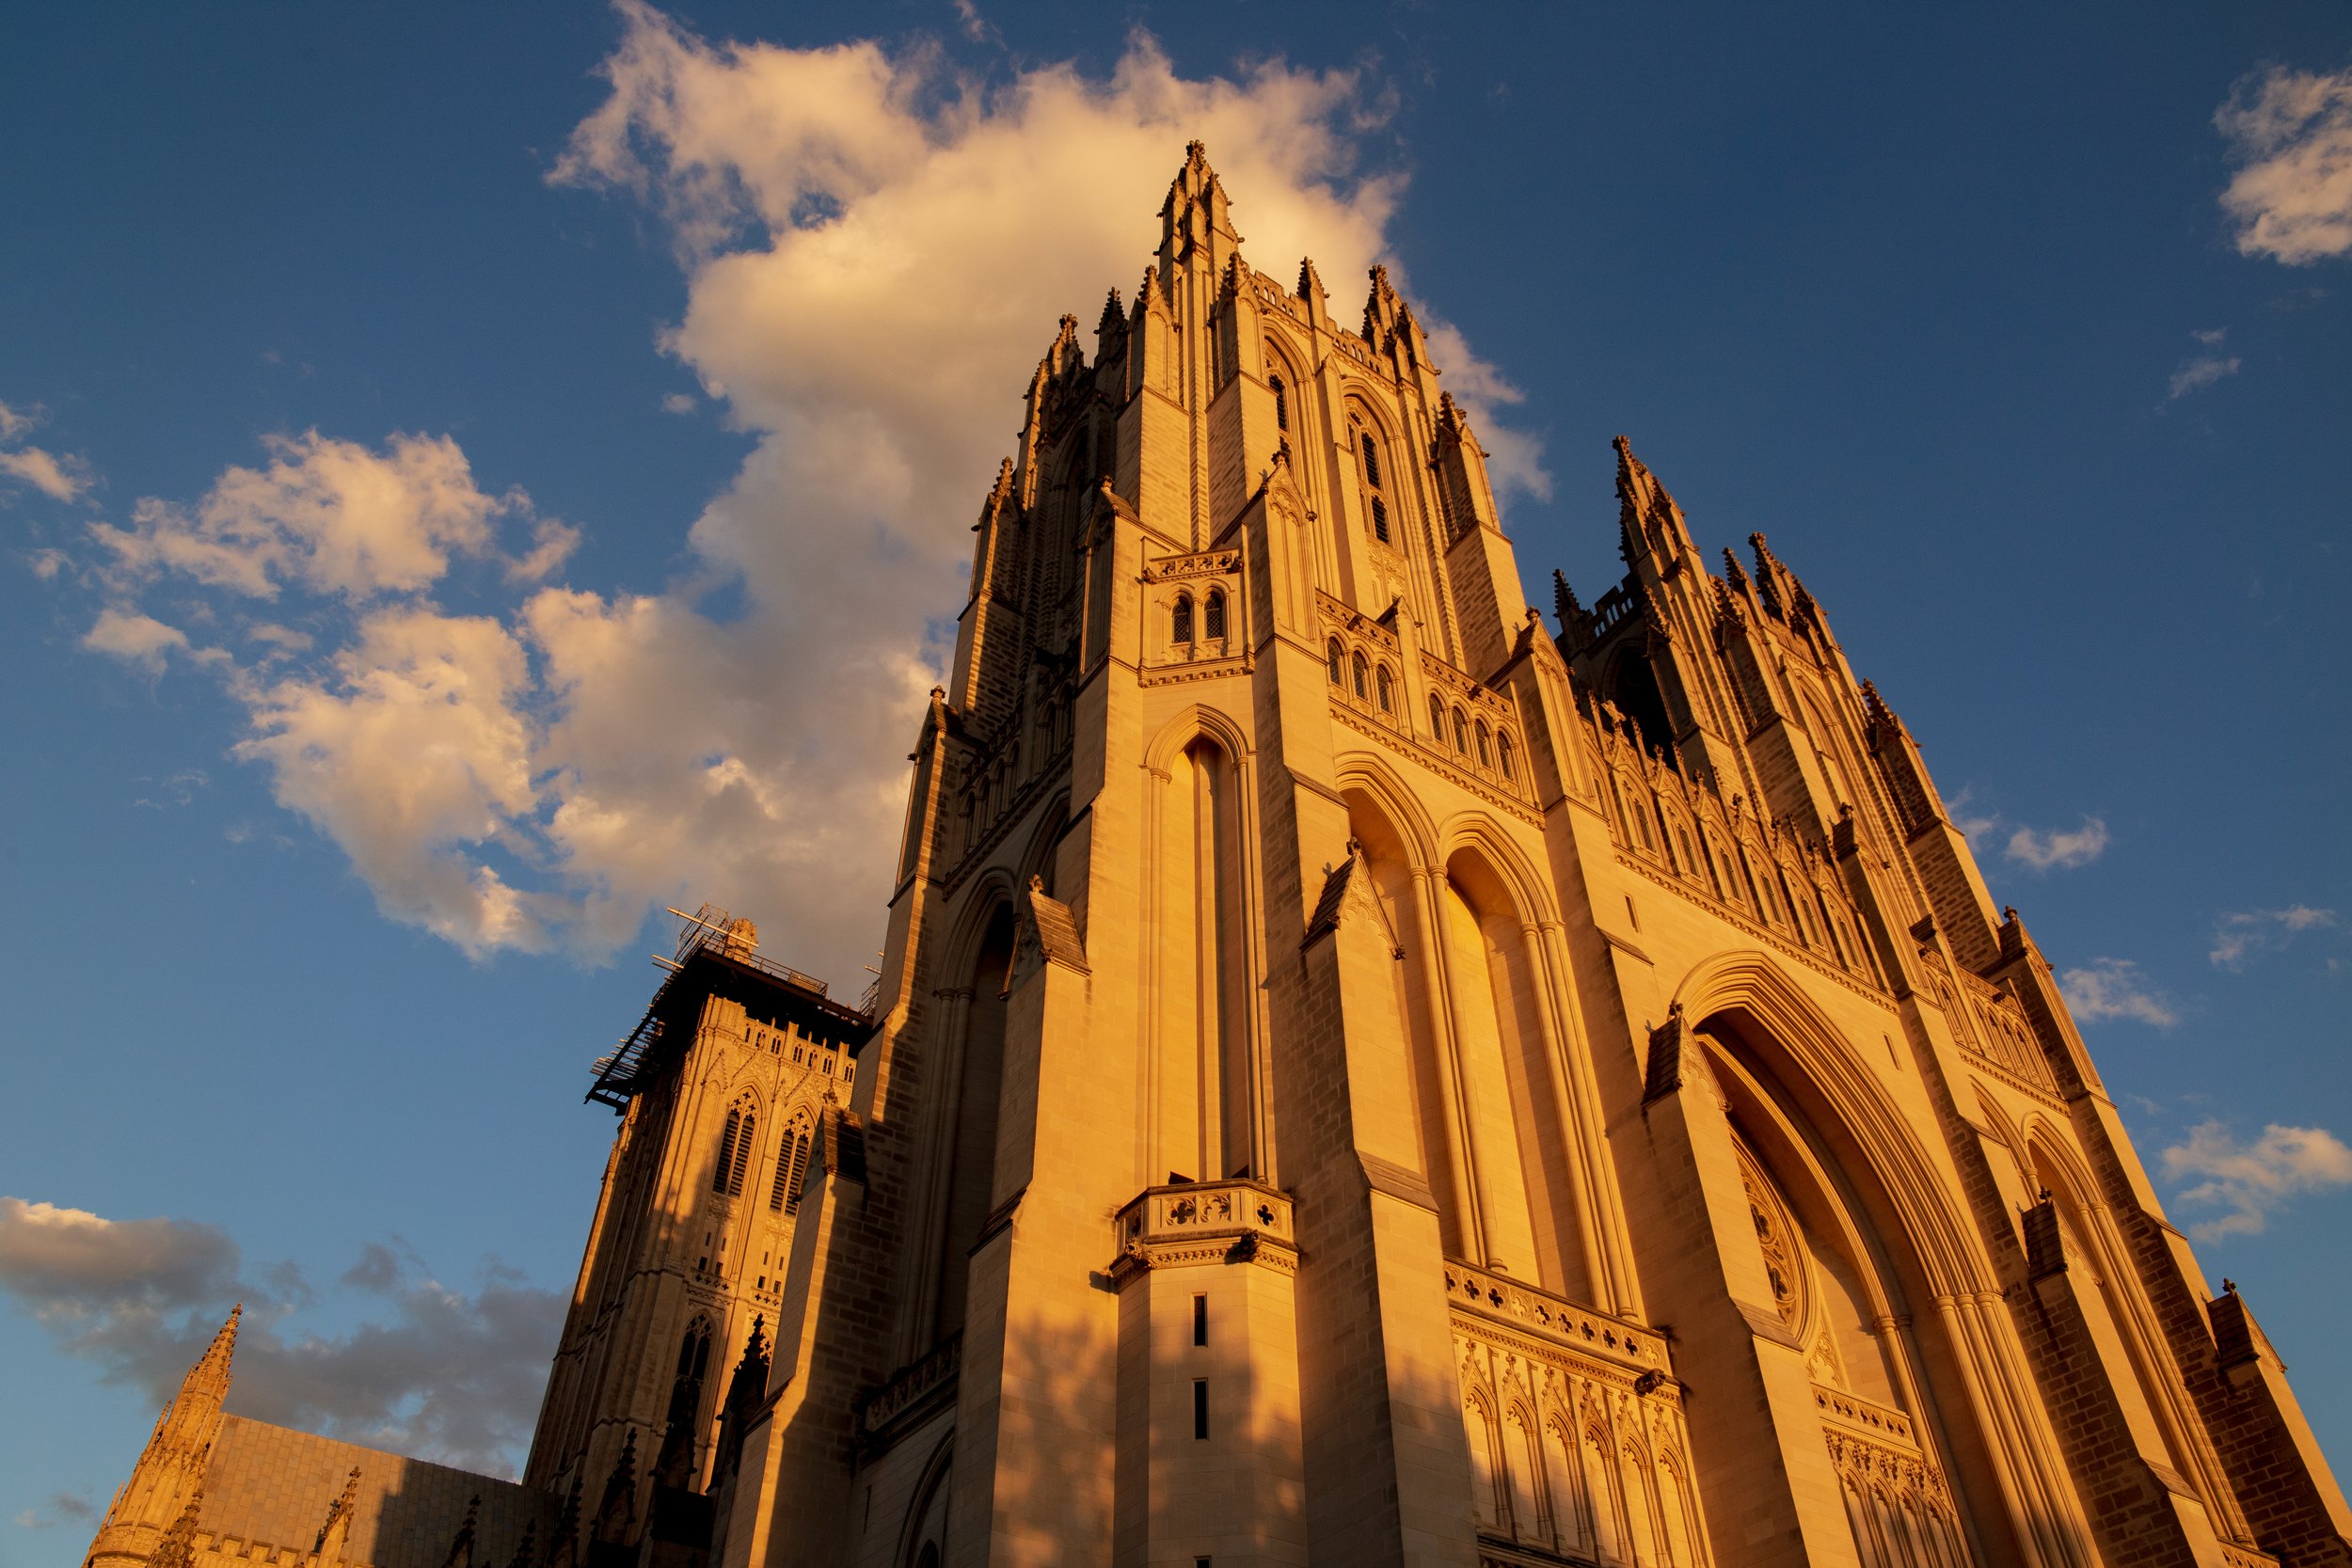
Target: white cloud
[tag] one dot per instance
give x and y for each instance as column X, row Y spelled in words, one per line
column 875, row 255
column 325, row 516
column 63, row 478
column 452, row 1375
column 2113, row 988
column 16, row 421
column 2291, row 134
column 677, row 402
column 2056, row 850
column 2200, row 372
column 133, row 638
column 2248, row 1181
column 2238, row 937
column 408, row 754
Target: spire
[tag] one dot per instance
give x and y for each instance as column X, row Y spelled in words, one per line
column 461, row 1545
column 177, row 1549
column 563, row 1546
column 617, row 1511
column 1111, row 331
column 745, row 1390
column 1309, row 283
column 210, row 1371
column 1647, row 517
column 328, row 1547
column 1563, row 605
column 1196, row 216
column 1769, row 573
column 1380, row 308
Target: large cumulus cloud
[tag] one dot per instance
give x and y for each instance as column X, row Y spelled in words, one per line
column 876, row 250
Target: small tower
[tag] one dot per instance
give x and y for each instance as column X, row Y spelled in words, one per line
column 721, row 1088
column 161, row 1496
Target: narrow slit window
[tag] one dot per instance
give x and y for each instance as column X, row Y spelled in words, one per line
column 1380, row 519
column 1281, row 403
column 1200, row 1320
column 1201, row 1408
column 1372, row 461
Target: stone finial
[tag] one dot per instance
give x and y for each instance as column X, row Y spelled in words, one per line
column 1310, row 282
column 177, row 1549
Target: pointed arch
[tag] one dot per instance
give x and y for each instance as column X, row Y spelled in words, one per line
column 1818, row 1057
column 1202, row 953
column 923, row 1533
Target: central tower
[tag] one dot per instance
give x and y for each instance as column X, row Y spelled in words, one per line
column 1329, row 1028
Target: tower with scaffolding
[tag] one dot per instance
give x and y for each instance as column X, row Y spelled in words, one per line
column 724, row 1090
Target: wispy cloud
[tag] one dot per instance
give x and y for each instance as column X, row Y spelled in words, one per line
column 2059, row 850
column 2038, row 849
column 2249, row 1181
column 2237, row 937
column 60, row 477
column 2200, row 372
column 2108, row 989
column 2290, row 131
column 677, row 402
column 450, row 1374
column 58, row 1508
column 63, row 478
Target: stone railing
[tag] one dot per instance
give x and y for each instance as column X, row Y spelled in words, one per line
column 2000, row 1034
column 1234, row 1221
column 1865, row 1417
column 1877, row 1454
column 912, row 1389
column 1555, row 1320
column 1578, row 1444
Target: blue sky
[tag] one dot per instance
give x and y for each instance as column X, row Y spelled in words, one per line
column 470, row 476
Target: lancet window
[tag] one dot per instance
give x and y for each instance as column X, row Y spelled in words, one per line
column 735, row 1148
column 1213, row 616
column 1180, row 622
column 791, row 1163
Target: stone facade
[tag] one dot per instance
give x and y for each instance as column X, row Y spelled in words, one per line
column 1359, row 1077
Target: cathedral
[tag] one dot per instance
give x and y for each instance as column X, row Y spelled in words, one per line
column 1357, row 1076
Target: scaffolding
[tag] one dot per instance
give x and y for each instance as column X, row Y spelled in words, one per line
column 619, row 1072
